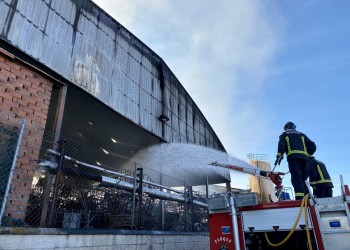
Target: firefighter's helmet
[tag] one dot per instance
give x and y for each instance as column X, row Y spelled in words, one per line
column 290, row 125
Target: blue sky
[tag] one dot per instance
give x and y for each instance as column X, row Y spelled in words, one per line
column 251, row 66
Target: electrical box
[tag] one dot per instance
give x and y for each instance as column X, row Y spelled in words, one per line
column 246, row 199
column 218, row 203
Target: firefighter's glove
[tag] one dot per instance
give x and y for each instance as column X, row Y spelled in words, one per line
column 278, row 160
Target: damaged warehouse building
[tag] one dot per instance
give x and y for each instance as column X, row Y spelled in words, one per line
column 80, row 95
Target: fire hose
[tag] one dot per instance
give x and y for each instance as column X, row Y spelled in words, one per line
column 303, row 205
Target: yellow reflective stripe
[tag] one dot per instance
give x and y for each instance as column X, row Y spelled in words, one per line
column 303, row 140
column 288, row 145
column 321, row 181
column 299, row 194
column 296, row 151
column 279, row 154
column 320, row 172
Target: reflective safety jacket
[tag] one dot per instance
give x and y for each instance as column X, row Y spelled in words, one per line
column 296, row 145
column 318, row 174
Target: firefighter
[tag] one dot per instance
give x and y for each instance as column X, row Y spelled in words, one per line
column 320, row 180
column 297, row 147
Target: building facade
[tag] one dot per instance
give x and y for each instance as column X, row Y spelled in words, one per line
column 86, row 47
column 68, row 69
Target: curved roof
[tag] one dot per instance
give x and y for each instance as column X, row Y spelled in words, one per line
column 83, row 44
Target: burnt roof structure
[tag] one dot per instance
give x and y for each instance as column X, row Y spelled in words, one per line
column 115, row 82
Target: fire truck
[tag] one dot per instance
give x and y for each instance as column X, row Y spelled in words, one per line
column 237, row 221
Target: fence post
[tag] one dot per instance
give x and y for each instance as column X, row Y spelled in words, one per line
column 162, row 205
column 207, row 187
column 61, row 149
column 134, row 197
column 185, row 206
column 46, row 199
column 140, row 175
column 190, row 201
column 14, row 160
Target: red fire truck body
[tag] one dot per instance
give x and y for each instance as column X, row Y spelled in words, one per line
column 237, row 222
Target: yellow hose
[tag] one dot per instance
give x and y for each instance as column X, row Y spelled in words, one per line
column 307, row 224
column 303, row 205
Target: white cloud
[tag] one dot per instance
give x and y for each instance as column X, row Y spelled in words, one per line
column 220, row 52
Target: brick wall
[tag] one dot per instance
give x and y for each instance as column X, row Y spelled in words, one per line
column 24, row 93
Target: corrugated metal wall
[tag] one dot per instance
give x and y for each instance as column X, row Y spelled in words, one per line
column 82, row 43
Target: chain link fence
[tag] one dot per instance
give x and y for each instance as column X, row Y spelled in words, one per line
column 9, row 134
column 49, row 184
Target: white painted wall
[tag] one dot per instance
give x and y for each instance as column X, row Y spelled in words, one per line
column 101, row 242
